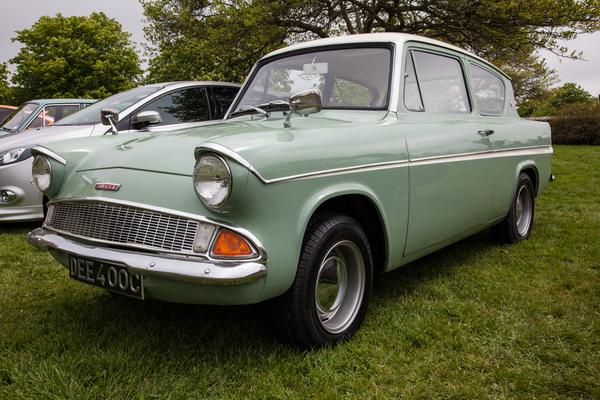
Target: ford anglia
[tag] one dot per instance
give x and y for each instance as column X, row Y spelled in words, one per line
column 339, row 159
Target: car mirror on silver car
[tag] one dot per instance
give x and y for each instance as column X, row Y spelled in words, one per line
column 304, row 103
column 146, row 118
column 108, row 116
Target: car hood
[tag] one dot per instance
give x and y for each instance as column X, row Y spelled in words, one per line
column 315, row 143
column 35, row 137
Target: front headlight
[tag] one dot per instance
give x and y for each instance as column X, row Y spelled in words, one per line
column 212, row 180
column 41, row 171
column 14, row 155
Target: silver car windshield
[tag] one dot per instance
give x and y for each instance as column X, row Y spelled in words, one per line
column 18, row 116
column 349, row 78
column 120, row 101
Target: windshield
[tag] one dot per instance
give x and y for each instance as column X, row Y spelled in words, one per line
column 120, row 101
column 18, row 116
column 354, row 78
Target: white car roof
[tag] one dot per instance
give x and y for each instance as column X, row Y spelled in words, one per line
column 388, row 37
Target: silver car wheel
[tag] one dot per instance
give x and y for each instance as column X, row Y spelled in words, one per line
column 524, row 208
column 340, row 286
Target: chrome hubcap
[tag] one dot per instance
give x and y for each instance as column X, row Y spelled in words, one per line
column 524, row 208
column 340, row 286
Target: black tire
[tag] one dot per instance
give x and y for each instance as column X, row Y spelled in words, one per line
column 334, row 243
column 513, row 227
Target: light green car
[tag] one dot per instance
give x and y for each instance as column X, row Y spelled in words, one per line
column 339, row 159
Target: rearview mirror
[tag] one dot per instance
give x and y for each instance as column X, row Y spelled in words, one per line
column 147, row 118
column 304, row 103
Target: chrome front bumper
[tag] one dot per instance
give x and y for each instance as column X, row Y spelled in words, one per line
column 191, row 270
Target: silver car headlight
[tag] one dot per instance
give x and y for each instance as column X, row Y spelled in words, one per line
column 212, row 180
column 41, row 171
column 14, row 155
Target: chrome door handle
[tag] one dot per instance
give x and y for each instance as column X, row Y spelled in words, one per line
column 485, row 133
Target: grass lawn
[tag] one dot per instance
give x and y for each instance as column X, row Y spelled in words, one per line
column 476, row 320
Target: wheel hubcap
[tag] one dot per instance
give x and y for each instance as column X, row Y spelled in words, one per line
column 340, row 286
column 523, row 210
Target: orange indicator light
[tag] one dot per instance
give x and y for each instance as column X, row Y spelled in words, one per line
column 230, row 244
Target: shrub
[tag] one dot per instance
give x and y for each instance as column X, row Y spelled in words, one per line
column 577, row 123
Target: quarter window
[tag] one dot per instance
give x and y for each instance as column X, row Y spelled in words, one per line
column 412, row 96
column 223, row 98
column 442, row 83
column 488, row 90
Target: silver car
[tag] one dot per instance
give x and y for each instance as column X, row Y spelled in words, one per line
column 152, row 108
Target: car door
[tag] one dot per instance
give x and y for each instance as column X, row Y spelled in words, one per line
column 179, row 106
column 450, row 183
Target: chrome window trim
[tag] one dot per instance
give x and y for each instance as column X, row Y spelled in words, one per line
column 49, row 153
column 259, row 256
column 517, row 151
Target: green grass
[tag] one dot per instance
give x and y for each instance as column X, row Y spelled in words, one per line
column 475, row 320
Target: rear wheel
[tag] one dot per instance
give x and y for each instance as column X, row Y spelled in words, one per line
column 517, row 224
column 328, row 299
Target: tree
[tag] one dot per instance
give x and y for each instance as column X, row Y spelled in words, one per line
column 74, row 57
column 5, row 89
column 551, row 102
column 505, row 32
column 208, row 40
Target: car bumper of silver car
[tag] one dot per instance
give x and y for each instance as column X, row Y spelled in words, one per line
column 189, row 270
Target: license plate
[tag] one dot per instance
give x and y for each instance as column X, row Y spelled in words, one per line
column 111, row 277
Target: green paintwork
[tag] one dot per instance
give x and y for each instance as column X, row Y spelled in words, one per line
column 423, row 205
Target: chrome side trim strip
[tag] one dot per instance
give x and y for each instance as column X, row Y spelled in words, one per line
column 261, row 257
column 158, row 265
column 50, row 154
column 518, row 151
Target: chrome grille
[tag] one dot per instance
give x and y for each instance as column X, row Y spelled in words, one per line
column 123, row 224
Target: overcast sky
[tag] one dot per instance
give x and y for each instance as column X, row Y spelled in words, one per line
column 21, row 14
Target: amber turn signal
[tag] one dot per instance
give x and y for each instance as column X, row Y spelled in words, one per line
column 230, row 244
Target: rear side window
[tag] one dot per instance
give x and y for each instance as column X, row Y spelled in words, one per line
column 442, row 83
column 488, row 89
column 223, row 98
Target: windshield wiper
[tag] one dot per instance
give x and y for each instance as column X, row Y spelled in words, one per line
column 5, row 129
column 263, row 109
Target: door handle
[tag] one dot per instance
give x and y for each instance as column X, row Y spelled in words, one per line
column 486, row 132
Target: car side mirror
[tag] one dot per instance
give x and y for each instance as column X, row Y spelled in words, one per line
column 304, row 103
column 146, row 118
column 108, row 116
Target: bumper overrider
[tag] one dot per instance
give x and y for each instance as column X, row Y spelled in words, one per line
column 208, row 272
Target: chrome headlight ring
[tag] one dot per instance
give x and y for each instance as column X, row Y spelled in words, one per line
column 212, row 180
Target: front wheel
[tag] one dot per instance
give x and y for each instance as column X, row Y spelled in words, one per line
column 517, row 224
column 328, row 299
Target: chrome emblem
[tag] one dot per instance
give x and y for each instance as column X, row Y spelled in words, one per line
column 113, row 187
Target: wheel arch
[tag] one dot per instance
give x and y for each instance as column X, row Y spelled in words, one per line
column 530, row 168
column 360, row 203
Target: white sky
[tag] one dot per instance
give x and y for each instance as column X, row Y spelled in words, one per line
column 16, row 15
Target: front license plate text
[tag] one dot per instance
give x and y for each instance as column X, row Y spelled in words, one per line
column 108, row 276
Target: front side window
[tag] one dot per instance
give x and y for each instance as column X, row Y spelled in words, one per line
column 354, row 78
column 442, row 83
column 186, row 105
column 51, row 114
column 488, row 90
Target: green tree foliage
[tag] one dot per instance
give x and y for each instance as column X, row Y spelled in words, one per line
column 206, row 38
column 74, row 57
column 5, row 89
column 551, row 101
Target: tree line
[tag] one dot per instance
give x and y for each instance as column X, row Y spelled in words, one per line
column 221, row 39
